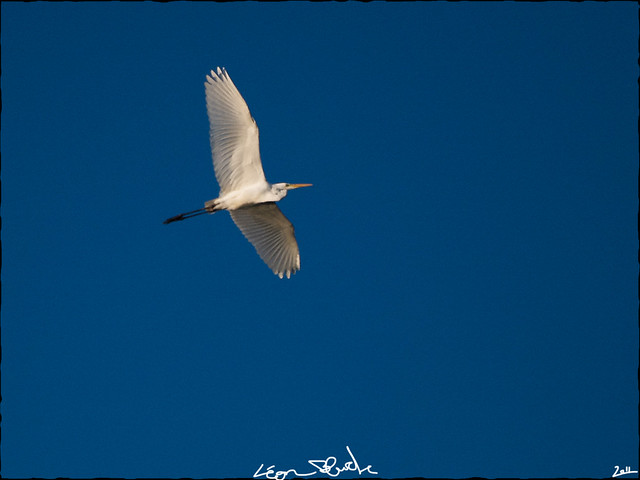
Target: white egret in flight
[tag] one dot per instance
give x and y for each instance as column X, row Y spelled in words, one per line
column 244, row 190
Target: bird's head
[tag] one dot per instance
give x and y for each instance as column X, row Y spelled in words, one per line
column 280, row 189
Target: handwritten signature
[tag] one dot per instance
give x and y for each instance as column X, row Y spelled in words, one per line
column 326, row 466
column 626, row 471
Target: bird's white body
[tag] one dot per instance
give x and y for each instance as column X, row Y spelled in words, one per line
column 259, row 192
column 244, row 190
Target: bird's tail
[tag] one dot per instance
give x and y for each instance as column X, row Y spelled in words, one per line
column 193, row 213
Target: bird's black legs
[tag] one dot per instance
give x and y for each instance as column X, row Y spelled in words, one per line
column 193, row 213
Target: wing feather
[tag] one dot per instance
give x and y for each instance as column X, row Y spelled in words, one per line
column 271, row 234
column 233, row 134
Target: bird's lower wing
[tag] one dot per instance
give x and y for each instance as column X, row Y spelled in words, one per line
column 269, row 231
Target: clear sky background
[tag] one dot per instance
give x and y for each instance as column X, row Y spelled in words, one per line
column 467, row 303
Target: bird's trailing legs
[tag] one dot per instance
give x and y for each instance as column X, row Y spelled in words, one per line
column 193, row 213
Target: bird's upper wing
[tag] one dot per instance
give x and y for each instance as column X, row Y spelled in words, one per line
column 233, row 134
column 265, row 226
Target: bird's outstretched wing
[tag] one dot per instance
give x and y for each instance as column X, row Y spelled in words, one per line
column 233, row 134
column 265, row 226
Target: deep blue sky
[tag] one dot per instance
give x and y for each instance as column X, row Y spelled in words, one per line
column 467, row 304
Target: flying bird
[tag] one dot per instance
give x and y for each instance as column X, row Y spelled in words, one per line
column 244, row 190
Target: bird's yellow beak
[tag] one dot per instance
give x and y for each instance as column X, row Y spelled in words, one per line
column 291, row 186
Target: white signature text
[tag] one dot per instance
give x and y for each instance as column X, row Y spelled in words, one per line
column 326, row 466
column 626, row 471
